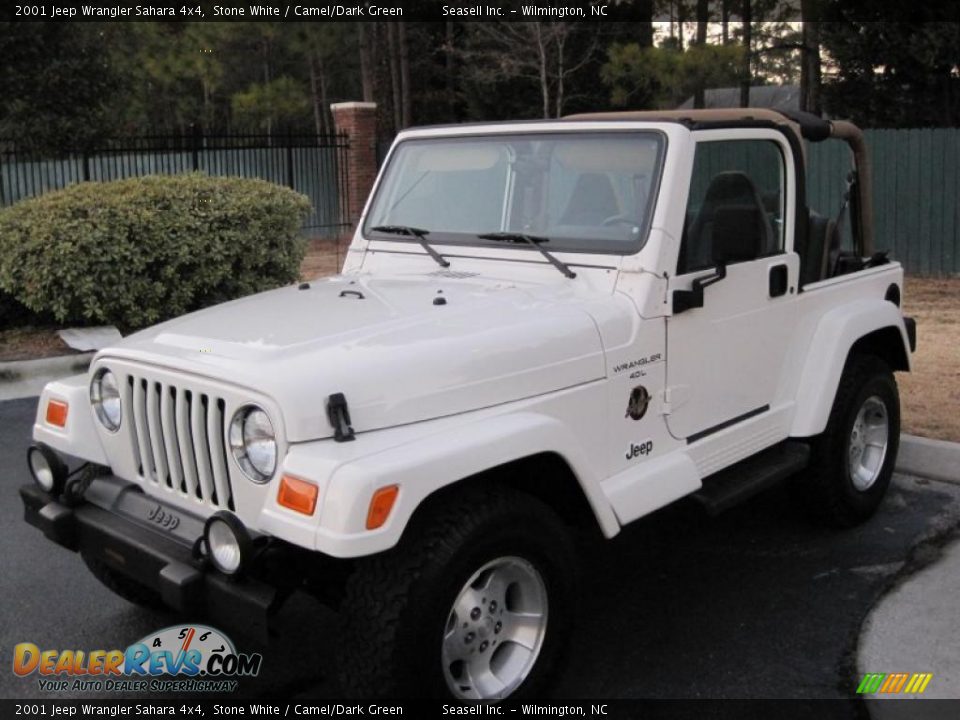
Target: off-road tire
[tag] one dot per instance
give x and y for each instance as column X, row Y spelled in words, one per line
column 129, row 590
column 397, row 603
column 829, row 488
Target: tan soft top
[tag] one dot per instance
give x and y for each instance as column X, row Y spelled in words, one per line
column 712, row 115
column 724, row 115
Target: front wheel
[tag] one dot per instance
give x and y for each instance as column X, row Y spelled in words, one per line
column 474, row 605
column 853, row 460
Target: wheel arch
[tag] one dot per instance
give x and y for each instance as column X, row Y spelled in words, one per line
column 546, row 476
column 532, row 452
column 867, row 327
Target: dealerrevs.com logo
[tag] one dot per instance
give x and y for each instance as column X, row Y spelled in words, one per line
column 181, row 658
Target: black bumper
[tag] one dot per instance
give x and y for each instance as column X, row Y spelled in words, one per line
column 156, row 560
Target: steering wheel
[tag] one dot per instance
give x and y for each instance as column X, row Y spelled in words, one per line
column 618, row 220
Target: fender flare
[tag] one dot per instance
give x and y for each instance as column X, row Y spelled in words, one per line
column 435, row 461
column 80, row 437
column 836, row 334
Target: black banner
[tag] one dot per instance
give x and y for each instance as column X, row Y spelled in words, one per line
column 612, row 709
column 410, row 10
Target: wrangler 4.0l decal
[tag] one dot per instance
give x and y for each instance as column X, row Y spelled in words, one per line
column 637, row 365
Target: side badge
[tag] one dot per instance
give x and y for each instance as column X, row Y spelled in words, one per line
column 639, row 400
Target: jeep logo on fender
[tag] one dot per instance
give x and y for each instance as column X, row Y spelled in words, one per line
column 635, row 450
column 164, row 518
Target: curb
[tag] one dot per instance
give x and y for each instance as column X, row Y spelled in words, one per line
column 15, row 370
column 934, row 459
column 26, row 378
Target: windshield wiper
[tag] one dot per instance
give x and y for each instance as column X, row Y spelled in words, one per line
column 413, row 232
column 533, row 241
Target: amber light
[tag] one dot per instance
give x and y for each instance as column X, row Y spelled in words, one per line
column 57, row 413
column 380, row 506
column 298, row 495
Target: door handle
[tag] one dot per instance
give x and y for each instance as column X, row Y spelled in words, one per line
column 779, row 280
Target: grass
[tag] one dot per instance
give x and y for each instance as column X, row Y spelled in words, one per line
column 930, row 395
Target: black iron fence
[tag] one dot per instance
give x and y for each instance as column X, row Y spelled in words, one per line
column 315, row 165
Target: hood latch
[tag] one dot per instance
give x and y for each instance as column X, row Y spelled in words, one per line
column 339, row 416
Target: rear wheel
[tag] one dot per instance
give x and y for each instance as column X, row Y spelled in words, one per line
column 854, row 459
column 474, row 605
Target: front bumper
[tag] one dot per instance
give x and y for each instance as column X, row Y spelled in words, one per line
column 162, row 560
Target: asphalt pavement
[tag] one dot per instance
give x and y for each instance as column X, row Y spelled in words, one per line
column 757, row 603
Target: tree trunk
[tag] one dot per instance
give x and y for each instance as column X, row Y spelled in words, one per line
column 681, row 18
column 703, row 17
column 810, row 63
column 366, row 62
column 746, row 77
column 561, row 42
column 725, row 21
column 449, row 63
column 324, row 105
column 314, row 95
column 406, row 92
column 544, row 82
column 394, row 58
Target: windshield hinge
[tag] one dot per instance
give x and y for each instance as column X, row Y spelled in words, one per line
column 339, row 416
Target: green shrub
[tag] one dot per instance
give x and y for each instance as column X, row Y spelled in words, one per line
column 134, row 252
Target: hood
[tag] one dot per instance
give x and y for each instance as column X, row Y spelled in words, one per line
column 401, row 350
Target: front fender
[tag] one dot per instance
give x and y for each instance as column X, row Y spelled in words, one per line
column 79, row 437
column 836, row 334
column 425, row 465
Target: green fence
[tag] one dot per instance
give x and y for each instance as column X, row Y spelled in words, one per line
column 916, row 177
column 314, row 165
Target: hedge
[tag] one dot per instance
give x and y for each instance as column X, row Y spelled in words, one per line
column 134, row 252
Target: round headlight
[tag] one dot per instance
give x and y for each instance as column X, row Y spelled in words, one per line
column 228, row 542
column 254, row 443
column 105, row 398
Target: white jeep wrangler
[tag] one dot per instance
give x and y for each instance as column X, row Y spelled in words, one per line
column 539, row 327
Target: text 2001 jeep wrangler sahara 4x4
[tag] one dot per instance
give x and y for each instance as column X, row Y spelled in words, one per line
column 538, row 326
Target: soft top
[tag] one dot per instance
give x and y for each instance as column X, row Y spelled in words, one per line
column 803, row 124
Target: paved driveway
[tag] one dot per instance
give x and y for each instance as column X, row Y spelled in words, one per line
column 756, row 603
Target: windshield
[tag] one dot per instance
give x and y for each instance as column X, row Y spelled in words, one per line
column 586, row 192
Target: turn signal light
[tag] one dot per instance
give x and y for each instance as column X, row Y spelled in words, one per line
column 57, row 413
column 298, row 495
column 380, row 506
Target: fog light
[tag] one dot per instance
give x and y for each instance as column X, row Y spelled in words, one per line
column 228, row 542
column 48, row 470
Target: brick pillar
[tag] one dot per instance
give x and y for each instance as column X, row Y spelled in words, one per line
column 358, row 121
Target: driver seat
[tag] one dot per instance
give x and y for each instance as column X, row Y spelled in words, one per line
column 731, row 198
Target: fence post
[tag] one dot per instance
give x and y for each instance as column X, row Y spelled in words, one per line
column 358, row 122
column 86, row 166
column 289, row 159
column 195, row 146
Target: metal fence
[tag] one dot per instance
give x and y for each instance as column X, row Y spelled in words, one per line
column 916, row 178
column 314, row 165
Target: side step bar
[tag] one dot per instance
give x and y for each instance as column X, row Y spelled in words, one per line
column 732, row 485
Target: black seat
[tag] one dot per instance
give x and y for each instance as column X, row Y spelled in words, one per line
column 732, row 216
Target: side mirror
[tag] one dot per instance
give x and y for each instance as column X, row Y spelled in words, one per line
column 684, row 300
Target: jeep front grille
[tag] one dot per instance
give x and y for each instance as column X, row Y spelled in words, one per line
column 179, row 439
